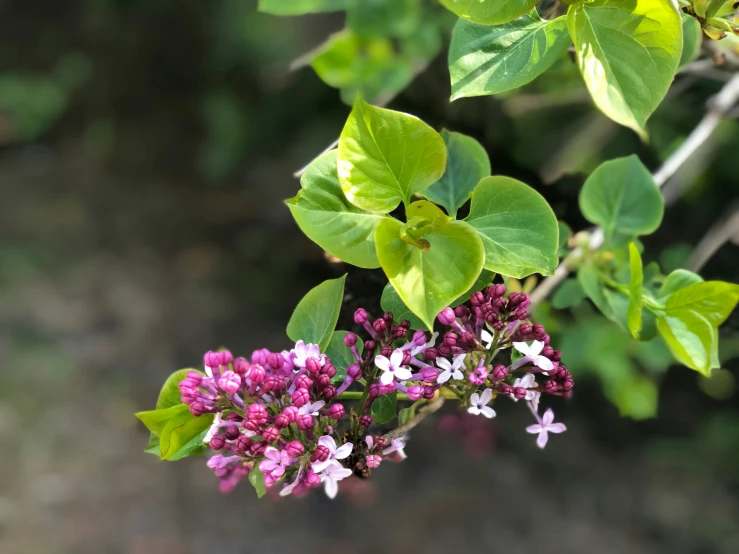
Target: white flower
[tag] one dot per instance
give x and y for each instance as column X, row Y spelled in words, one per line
column 392, row 369
column 533, row 354
column 527, row 382
column 331, row 476
column 302, row 352
column 479, row 404
column 213, row 428
column 451, row 370
column 311, row 409
column 288, row 489
column 544, row 427
column 397, row 445
column 334, row 453
column 487, row 339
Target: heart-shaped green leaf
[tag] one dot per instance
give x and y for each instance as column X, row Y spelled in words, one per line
column 170, row 394
column 714, row 300
column 384, row 408
column 489, row 12
column 315, row 316
column 487, row 59
column 517, row 227
column 622, row 197
column 327, row 218
column 468, row 163
column 429, row 280
column 385, row 157
column 678, row 279
column 627, row 51
column 341, row 355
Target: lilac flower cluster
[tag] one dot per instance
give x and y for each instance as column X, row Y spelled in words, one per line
column 285, row 413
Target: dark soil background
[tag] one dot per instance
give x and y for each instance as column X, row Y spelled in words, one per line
column 146, row 147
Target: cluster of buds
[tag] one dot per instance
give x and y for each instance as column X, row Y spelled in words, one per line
column 285, row 414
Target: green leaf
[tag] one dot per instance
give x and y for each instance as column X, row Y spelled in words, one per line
column 714, row 300
column 170, row 394
column 634, row 316
column 485, row 279
column 384, row 407
column 385, row 157
column 709, row 8
column 568, row 294
column 678, row 279
column 591, row 284
column 622, row 197
column 256, row 478
column 391, row 302
column 315, row 316
column 691, row 338
column 153, row 446
column 405, row 415
column 468, row 163
column 156, row 420
column 327, row 218
column 300, row 7
column 487, row 60
column 183, row 436
column 692, row 39
column 341, row 355
column 517, row 226
column 565, row 232
column 489, row 12
column 627, row 52
column 383, row 18
column 429, row 280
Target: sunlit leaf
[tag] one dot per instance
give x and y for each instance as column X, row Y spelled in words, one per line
column 315, row 317
column 489, row 12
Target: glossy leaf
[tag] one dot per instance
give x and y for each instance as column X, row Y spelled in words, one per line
column 487, row 59
column 156, row 420
column 692, row 39
column 678, row 279
column 385, row 157
column 383, row 18
column 622, row 197
column 183, row 436
column 300, row 7
column 634, row 316
column 429, row 280
column 315, row 317
column 327, row 218
column 341, row 355
column 517, row 226
column 691, row 338
column 627, row 51
column 489, row 12
column 384, row 407
column 256, row 478
column 391, row 302
column 714, row 300
column 468, row 163
column 170, row 394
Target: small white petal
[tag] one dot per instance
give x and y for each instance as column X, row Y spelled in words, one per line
column 534, row 429
column 343, row 451
column 487, row 396
column 544, row 363
column 541, row 440
column 474, row 410
column 387, row 378
column 536, row 347
column 444, row 376
column 556, row 428
column 488, row 412
column 548, row 417
column 332, row 488
column 403, row 374
column 382, row 362
column 396, row 358
column 474, row 399
column 522, row 347
column 443, row 363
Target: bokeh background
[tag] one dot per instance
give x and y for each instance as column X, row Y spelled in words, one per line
column 146, row 147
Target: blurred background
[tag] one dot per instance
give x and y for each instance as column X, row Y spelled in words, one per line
column 146, row 147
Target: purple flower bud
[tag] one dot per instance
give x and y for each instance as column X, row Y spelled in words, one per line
column 450, row 338
column 212, row 359
column 197, row 409
column 251, row 426
column 260, row 356
column 545, row 339
column 257, row 448
column 361, row 316
column 399, row 332
column 477, row 298
column 497, row 290
column 429, row 374
column 187, row 399
column 300, row 397
column 313, row 365
column 373, row 460
column 321, row 454
column 419, row 338
column 365, row 421
column 500, row 372
column 498, row 325
column 538, row 331
column 406, row 357
column 430, row 354
column 491, row 317
column 415, row 392
column 444, row 349
column 524, row 329
column 241, row 366
column 282, row 421
column 243, row 442
column 429, row 392
column 468, row 338
column 303, row 382
column 379, row 325
column 387, row 389
column 271, row 434
column 269, row 384
column 329, row 392
column 520, row 314
column 550, row 386
column 514, row 298
column 446, row 316
column 547, row 351
column 374, row 390
column 217, row 442
column 304, row 421
column 294, row 449
column 524, row 301
column 312, row 480
column 291, row 412
column 323, row 381
column 354, row 372
column 229, row 382
column 519, row 392
column 233, row 416
column 499, row 303
column 567, row 384
column 226, row 357
column 336, row 411
column 231, row 432
column 275, row 361
column 556, row 356
column 350, row 339
column 257, row 374
column 329, row 369
column 194, row 376
column 478, row 375
column 386, row 351
column 257, row 414
column 369, row 347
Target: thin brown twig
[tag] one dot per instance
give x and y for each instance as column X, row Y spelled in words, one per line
column 423, row 413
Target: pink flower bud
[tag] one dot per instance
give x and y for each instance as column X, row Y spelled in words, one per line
column 350, row 339
column 365, row 421
column 354, row 371
column 294, row 449
column 336, row 411
column 361, row 316
column 257, row 414
column 303, row 382
column 373, row 460
column 500, row 372
column 229, row 382
column 304, row 422
column 415, row 392
column 446, row 316
column 300, row 397
column 256, row 374
column 271, row 434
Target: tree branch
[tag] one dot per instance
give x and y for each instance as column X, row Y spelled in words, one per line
column 423, row 413
column 718, row 107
